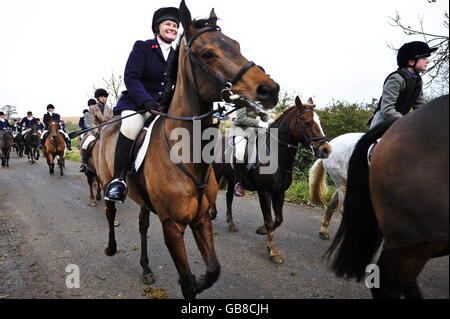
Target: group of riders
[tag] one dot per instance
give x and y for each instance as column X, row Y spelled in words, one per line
column 146, row 79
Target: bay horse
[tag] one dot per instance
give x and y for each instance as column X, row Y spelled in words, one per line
column 54, row 146
column 31, row 143
column 336, row 166
column 179, row 191
column 298, row 125
column 402, row 197
column 6, row 145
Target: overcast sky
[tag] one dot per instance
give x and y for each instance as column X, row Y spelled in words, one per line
column 56, row 51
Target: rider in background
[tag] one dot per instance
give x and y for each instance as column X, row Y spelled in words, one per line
column 40, row 126
column 402, row 89
column 27, row 121
column 51, row 116
column 3, row 122
column 98, row 113
column 245, row 126
column 145, row 80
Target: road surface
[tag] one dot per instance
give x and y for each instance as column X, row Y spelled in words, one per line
column 46, row 225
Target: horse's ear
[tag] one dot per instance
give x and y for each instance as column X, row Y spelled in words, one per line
column 298, row 102
column 310, row 101
column 186, row 19
column 212, row 17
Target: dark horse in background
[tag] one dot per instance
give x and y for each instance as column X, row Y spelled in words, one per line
column 31, row 142
column 6, row 145
column 299, row 124
column 19, row 143
column 180, row 191
column 54, row 146
column 402, row 197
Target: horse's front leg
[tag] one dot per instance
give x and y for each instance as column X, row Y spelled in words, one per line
column 144, row 222
column 173, row 237
column 203, row 235
column 110, row 210
column 98, row 187
column 90, row 180
column 51, row 164
column 265, row 199
column 60, row 164
column 232, row 227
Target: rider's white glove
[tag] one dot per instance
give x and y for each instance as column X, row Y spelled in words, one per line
column 265, row 124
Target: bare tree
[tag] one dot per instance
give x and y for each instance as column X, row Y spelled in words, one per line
column 438, row 71
column 114, row 85
column 9, row 111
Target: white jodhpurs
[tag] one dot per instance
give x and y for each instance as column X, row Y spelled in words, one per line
column 87, row 141
column 131, row 126
column 240, row 143
column 43, row 133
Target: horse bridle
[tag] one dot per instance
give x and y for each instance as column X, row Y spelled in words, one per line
column 227, row 84
column 320, row 139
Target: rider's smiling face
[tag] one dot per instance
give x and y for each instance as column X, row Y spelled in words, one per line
column 168, row 30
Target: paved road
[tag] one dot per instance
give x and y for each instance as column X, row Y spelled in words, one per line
column 46, row 224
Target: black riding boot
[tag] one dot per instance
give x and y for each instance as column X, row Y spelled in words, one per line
column 238, row 189
column 116, row 190
column 83, row 161
column 68, row 143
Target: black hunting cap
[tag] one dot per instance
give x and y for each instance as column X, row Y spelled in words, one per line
column 91, row 102
column 1, row 113
column 413, row 51
column 163, row 14
column 100, row 92
column 50, row 106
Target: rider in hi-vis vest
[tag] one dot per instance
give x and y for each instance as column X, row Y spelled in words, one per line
column 145, row 79
column 99, row 113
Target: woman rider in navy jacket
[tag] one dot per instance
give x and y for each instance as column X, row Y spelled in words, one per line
column 145, row 80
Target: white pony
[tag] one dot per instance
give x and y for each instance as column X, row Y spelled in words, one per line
column 336, row 165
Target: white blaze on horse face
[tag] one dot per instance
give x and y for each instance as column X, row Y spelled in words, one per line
column 317, row 120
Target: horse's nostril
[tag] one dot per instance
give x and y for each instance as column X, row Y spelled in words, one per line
column 266, row 92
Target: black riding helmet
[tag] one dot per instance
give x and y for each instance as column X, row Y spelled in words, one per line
column 50, row 106
column 91, row 102
column 163, row 14
column 413, row 51
column 100, row 92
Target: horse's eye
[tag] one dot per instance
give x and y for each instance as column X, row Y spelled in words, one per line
column 308, row 124
column 208, row 54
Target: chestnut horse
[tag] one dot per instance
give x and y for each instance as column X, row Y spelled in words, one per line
column 298, row 125
column 54, row 146
column 180, row 192
column 401, row 198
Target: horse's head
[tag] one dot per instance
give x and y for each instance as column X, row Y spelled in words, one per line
column 34, row 129
column 54, row 128
column 212, row 65
column 308, row 129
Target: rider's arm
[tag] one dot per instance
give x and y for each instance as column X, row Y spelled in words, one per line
column 243, row 120
column 391, row 90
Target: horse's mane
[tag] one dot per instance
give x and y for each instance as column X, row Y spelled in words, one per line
column 285, row 113
column 169, row 89
column 282, row 116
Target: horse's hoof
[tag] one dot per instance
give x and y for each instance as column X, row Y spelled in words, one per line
column 233, row 228
column 148, row 279
column 277, row 259
column 324, row 236
column 116, row 222
column 92, row 204
column 110, row 251
column 261, row 230
column 98, row 197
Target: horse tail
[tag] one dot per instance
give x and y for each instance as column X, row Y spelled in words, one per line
column 359, row 235
column 318, row 188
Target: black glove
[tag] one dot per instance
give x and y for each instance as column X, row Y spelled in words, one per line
column 151, row 105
